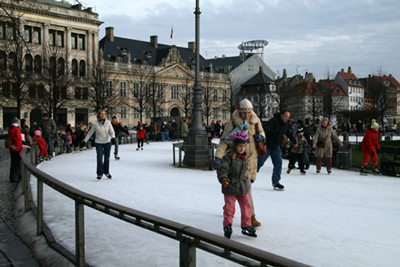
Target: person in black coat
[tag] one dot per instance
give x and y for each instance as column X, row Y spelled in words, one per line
column 306, row 155
column 274, row 130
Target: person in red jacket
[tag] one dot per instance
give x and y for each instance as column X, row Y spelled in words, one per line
column 370, row 147
column 141, row 134
column 42, row 146
column 16, row 146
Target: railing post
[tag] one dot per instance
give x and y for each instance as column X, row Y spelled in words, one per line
column 79, row 234
column 173, row 151
column 180, row 156
column 187, row 255
column 24, row 184
column 39, row 207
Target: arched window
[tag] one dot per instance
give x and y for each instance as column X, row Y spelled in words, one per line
column 28, row 63
column 3, row 60
column 61, row 66
column 82, row 68
column 75, row 67
column 38, row 64
column 52, row 66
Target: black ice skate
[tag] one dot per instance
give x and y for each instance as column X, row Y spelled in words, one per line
column 108, row 176
column 228, row 231
column 249, row 230
column 116, row 157
column 329, row 172
column 363, row 171
column 98, row 178
column 375, row 170
column 278, row 186
column 303, row 172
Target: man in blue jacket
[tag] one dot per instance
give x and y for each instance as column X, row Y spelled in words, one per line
column 274, row 130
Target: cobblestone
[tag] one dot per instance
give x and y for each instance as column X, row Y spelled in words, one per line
column 7, row 189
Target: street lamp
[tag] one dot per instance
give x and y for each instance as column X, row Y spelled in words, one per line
column 196, row 153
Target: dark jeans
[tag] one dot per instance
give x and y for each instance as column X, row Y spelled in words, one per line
column 276, row 157
column 306, row 157
column 140, row 143
column 296, row 157
column 15, row 168
column 103, row 168
column 49, row 144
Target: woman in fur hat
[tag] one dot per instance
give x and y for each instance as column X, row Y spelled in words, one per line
column 244, row 120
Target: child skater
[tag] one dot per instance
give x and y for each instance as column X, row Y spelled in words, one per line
column 42, row 146
column 66, row 140
column 141, row 134
column 296, row 151
column 232, row 174
column 370, row 147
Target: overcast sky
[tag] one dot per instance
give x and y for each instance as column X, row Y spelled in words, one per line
column 318, row 36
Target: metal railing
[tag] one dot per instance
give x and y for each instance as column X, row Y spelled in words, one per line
column 189, row 238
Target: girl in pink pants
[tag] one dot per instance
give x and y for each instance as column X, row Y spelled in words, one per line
column 232, row 174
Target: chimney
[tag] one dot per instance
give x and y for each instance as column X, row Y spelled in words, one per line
column 390, row 75
column 369, row 75
column 223, row 56
column 342, row 70
column 154, row 40
column 110, row 33
column 192, row 46
column 284, row 75
column 216, row 57
column 349, row 70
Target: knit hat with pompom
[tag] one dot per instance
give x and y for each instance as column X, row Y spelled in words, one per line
column 374, row 124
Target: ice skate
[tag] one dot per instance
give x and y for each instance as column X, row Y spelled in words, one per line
column 116, row 157
column 108, row 176
column 318, row 171
column 249, row 230
column 141, row 148
column 363, row 171
column 98, row 178
column 228, row 231
column 289, row 170
column 278, row 186
column 375, row 170
column 329, row 171
column 303, row 172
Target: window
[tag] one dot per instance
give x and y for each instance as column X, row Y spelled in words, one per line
column 250, row 68
column 225, row 95
column 3, row 60
column 2, row 27
column 28, row 63
column 82, row 68
column 36, row 35
column 161, row 112
column 224, row 114
column 136, row 114
column 215, row 114
column 52, row 37
column 40, row 91
column 74, row 41
column 32, row 91
column 85, row 93
column 122, row 86
column 61, row 66
column 38, row 64
column 28, row 34
column 77, row 93
column 175, row 92
column 110, row 112
column 81, row 93
column 10, row 32
column 60, row 38
column 123, row 112
column 6, row 89
column 188, row 92
column 109, row 88
column 12, row 59
column 148, row 113
column 135, row 89
column 14, row 89
column 160, row 91
column 215, row 95
column 81, row 39
column 75, row 67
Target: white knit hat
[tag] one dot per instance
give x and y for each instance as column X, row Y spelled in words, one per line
column 245, row 106
column 374, row 124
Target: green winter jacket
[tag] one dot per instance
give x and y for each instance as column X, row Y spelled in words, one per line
column 234, row 170
column 49, row 127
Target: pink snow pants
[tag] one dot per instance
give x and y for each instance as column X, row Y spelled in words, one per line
column 245, row 208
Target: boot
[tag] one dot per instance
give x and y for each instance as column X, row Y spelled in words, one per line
column 375, row 170
column 254, row 221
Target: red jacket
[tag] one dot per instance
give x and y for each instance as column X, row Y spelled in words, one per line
column 15, row 136
column 370, row 141
column 141, row 134
column 42, row 146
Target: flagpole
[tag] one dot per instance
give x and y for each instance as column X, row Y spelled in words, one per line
column 172, row 34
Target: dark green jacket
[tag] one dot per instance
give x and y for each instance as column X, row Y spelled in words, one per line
column 234, row 170
column 49, row 127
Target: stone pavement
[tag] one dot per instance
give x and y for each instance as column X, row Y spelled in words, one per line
column 13, row 252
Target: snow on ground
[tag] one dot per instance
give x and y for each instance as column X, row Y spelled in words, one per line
column 342, row 219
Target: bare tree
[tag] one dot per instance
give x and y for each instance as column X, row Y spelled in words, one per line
column 186, row 96
column 140, row 89
column 209, row 94
column 314, row 103
column 156, row 93
column 331, row 104
column 102, row 93
column 16, row 61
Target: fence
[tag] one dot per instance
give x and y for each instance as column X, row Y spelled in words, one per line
column 189, row 238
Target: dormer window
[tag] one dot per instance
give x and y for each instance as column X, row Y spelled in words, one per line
column 147, row 53
column 123, row 50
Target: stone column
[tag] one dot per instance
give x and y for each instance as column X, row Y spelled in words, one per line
column 68, row 60
column 89, row 49
column 46, row 27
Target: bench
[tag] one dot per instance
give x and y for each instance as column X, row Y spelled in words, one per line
column 390, row 160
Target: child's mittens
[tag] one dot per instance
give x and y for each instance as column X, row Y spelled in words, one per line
column 258, row 138
column 225, row 182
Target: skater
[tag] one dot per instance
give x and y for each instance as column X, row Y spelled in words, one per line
column 141, row 134
column 65, row 145
column 14, row 133
column 323, row 142
column 232, row 174
column 49, row 129
column 119, row 131
column 244, row 120
column 104, row 136
column 184, row 130
column 274, row 129
column 165, row 131
column 296, row 152
column 42, row 146
column 370, row 147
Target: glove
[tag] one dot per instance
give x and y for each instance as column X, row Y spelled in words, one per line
column 372, row 153
column 258, row 138
column 252, row 181
column 113, row 141
column 216, row 163
column 225, row 182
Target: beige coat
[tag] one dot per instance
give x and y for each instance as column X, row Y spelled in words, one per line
column 251, row 148
column 325, row 136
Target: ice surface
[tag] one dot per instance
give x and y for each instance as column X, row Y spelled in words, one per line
column 343, row 219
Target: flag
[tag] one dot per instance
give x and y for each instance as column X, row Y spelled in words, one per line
column 172, row 31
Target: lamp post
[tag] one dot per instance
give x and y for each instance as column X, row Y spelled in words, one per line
column 196, row 155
